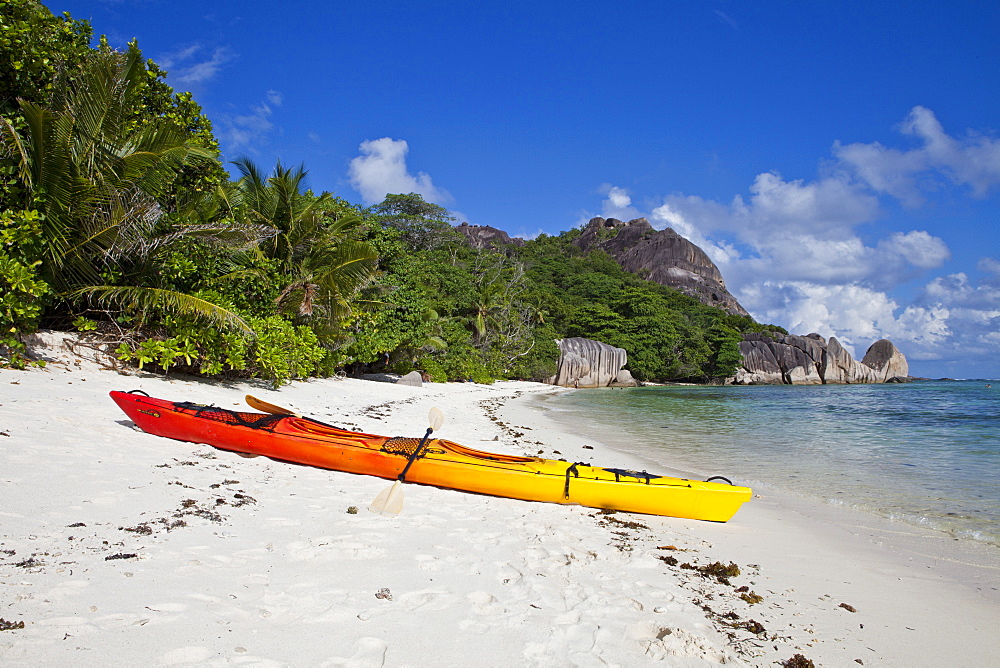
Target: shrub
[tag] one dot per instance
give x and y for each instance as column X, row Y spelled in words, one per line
column 433, row 368
column 282, row 351
column 22, row 292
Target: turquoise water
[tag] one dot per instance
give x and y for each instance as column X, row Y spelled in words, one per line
column 926, row 452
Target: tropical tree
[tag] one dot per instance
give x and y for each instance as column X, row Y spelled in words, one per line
column 323, row 267
column 501, row 318
column 97, row 177
column 726, row 356
column 34, row 47
column 422, row 225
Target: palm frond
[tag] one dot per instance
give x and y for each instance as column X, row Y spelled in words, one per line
column 149, row 299
column 93, row 174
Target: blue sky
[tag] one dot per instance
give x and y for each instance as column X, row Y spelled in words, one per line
column 840, row 161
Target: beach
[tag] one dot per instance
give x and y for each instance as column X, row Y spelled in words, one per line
column 122, row 548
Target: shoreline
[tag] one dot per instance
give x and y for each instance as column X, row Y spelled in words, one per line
column 931, row 493
column 898, row 567
column 118, row 547
column 962, row 559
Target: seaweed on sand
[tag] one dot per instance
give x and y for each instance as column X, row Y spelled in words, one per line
column 716, row 570
column 667, row 559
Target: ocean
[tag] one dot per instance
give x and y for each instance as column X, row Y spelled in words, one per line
column 926, row 452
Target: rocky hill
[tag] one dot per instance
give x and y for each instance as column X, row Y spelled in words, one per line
column 484, row 236
column 661, row 256
column 667, row 258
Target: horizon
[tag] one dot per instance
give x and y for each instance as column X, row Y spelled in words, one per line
column 840, row 163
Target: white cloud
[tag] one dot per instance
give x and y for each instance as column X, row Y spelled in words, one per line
column 926, row 329
column 237, row 131
column 184, row 67
column 917, row 248
column 793, row 254
column 381, row 170
column 726, row 18
column 798, row 231
column 989, row 265
column 829, row 207
column 275, row 97
column 973, row 161
column 242, row 131
column 618, row 198
column 855, row 314
column 169, row 60
column 885, row 170
column 690, row 215
column 958, row 290
column 954, row 318
column 617, row 203
column 972, row 312
column 528, row 236
column 674, row 217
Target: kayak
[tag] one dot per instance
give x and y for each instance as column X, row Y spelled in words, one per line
column 440, row 462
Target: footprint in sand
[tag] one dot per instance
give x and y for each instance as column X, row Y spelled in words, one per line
column 671, row 643
column 254, row 579
column 186, row 655
column 428, row 599
column 427, row 562
column 65, row 590
column 491, row 614
column 369, row 652
column 485, row 603
column 506, row 573
column 572, row 643
column 326, row 548
column 282, row 521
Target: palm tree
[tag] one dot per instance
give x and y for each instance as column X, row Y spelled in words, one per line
column 324, row 268
column 96, row 177
column 489, row 307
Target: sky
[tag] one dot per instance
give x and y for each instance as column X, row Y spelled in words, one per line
column 839, row 161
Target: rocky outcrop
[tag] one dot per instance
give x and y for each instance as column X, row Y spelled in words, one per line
column 759, row 365
column 412, row 379
column 484, row 236
column 661, row 256
column 887, row 362
column 588, row 363
column 811, row 360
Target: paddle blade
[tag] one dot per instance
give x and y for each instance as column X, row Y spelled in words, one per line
column 389, row 501
column 262, row 405
column 435, row 418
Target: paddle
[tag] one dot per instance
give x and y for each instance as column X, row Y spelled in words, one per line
column 274, row 409
column 262, row 405
column 390, row 500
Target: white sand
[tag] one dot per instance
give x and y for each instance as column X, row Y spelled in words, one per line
column 253, row 561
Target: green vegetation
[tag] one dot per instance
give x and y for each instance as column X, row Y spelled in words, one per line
column 118, row 218
column 668, row 335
